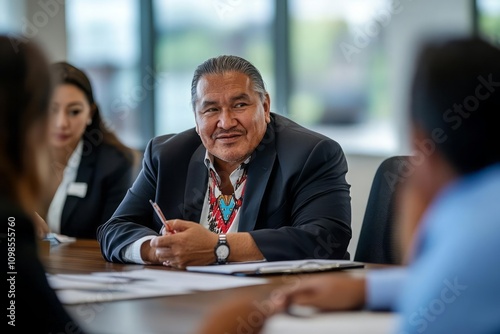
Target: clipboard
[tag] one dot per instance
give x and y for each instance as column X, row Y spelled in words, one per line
column 264, row 268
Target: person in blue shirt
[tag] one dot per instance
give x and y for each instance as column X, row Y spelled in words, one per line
column 449, row 210
column 452, row 282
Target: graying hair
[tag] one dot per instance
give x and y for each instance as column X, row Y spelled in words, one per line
column 224, row 64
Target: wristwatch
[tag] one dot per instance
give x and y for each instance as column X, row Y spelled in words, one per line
column 222, row 249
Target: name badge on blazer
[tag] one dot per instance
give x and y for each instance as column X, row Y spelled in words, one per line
column 78, row 189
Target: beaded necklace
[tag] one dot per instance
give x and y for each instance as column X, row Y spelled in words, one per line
column 224, row 208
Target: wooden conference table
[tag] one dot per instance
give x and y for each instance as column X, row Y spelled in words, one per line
column 181, row 313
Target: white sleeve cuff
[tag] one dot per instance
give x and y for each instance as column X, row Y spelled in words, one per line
column 132, row 253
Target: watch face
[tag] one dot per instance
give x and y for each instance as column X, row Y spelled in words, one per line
column 222, row 251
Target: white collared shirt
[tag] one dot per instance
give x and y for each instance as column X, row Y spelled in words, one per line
column 54, row 213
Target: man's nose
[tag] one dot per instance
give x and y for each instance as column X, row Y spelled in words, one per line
column 226, row 119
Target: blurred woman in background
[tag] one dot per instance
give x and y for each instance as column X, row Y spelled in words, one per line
column 91, row 170
column 24, row 94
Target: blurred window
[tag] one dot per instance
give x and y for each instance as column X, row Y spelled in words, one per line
column 337, row 62
column 488, row 20
column 104, row 41
column 340, row 72
column 326, row 63
column 11, row 17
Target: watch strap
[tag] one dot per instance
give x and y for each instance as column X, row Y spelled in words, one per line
column 222, row 242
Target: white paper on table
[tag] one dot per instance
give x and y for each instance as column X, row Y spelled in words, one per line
column 83, row 296
column 141, row 283
column 188, row 280
column 72, row 281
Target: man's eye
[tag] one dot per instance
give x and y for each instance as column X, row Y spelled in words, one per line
column 211, row 110
column 240, row 105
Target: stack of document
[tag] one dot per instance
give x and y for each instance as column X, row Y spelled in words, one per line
column 277, row 267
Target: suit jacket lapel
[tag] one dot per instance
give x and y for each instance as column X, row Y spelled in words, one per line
column 259, row 170
column 196, row 186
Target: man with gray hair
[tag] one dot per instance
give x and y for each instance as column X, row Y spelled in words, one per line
column 245, row 184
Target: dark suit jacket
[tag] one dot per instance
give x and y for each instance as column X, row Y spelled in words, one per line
column 296, row 205
column 36, row 304
column 108, row 175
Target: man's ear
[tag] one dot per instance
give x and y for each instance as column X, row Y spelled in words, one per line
column 267, row 108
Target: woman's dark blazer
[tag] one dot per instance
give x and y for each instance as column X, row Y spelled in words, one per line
column 108, row 174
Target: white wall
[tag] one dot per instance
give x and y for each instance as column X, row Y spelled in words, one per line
column 360, row 175
column 417, row 20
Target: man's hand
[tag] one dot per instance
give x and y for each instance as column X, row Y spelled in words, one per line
column 191, row 244
column 335, row 292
